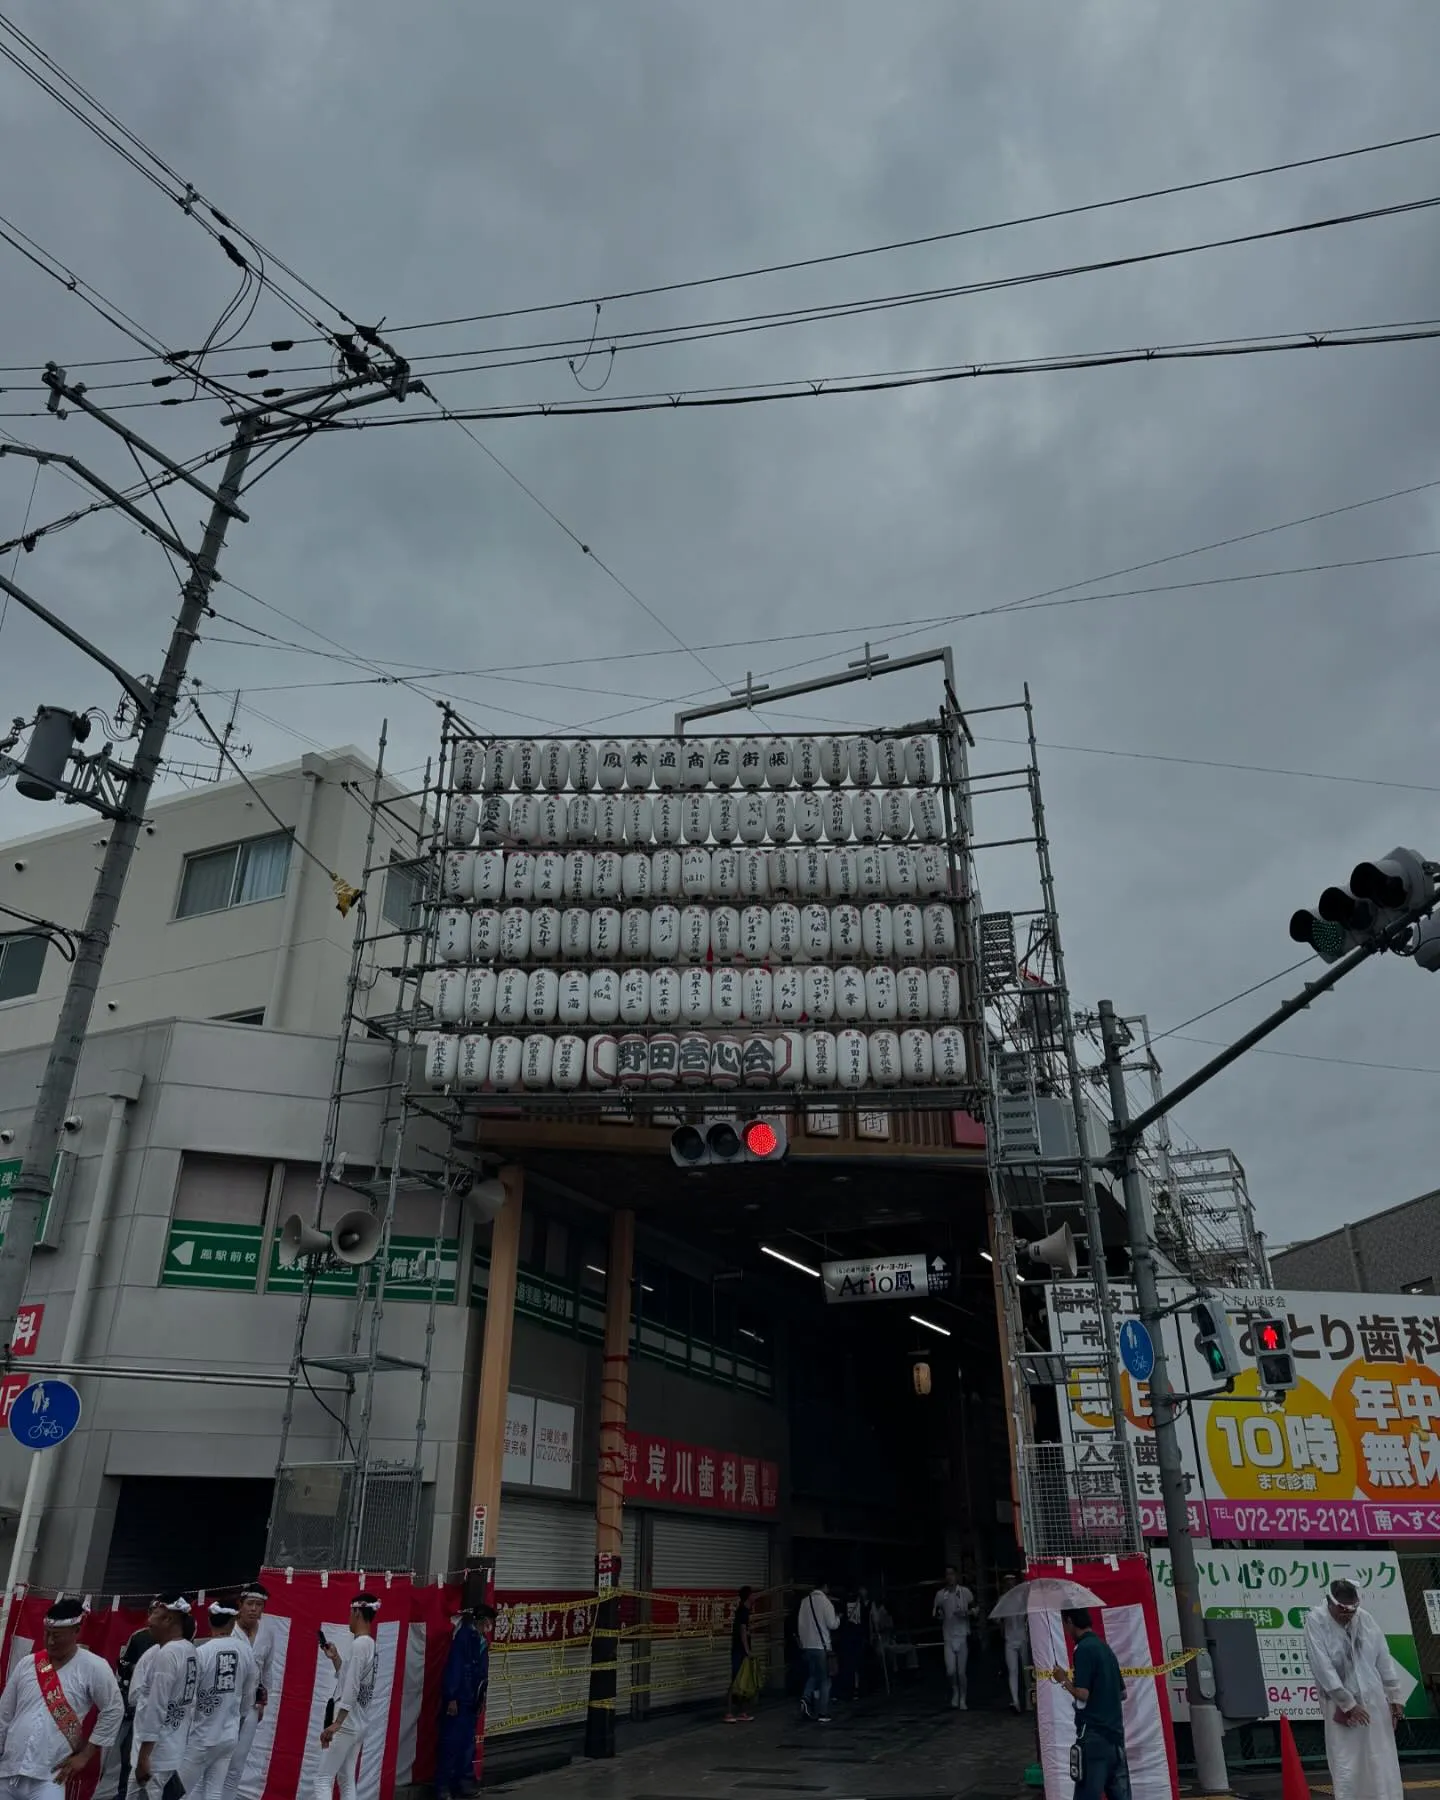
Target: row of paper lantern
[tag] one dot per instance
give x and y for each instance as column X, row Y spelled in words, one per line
column 724, row 996
column 551, row 877
column 746, row 818
column 820, row 1059
column 784, row 932
column 693, row 763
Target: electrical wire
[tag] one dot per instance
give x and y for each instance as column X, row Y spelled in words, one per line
column 1345, row 1062
column 24, row 528
column 1244, row 994
column 1202, row 762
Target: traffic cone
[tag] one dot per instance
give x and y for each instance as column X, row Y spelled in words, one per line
column 1293, row 1785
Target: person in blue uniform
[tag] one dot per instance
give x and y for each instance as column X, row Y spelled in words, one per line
column 462, row 1699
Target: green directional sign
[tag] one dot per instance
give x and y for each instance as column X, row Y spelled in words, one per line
column 9, row 1174
column 408, row 1272
column 200, row 1255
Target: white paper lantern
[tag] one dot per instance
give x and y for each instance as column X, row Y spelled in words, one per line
column 667, row 764
column 932, row 871
column 605, row 933
column 473, row 1065
column 920, row 763
column 755, row 933
column 525, row 819
column 860, row 753
column 724, row 933
column 635, row 933
column 634, row 1060
column 726, row 995
column 895, row 813
column 782, row 871
column 639, row 819
column 789, row 1047
column 877, row 930
column 725, row 818
column 450, row 996
column 751, row 809
column 551, row 815
column 610, row 820
column 694, row 934
column 568, row 1068
column 928, row 816
column 885, row 1066
column 485, row 935
column 663, row 1051
column 479, row 1002
column 694, row 1060
column 695, row 873
column 695, row 763
column 636, row 875
column 499, row 766
column 511, row 993
column 457, row 875
column 725, row 1062
column 815, row 938
column 809, row 816
column 890, row 762
column 665, row 933
column 835, row 805
column 724, row 762
column 812, row 876
column 751, row 763
column 542, row 997
column 844, row 868
column 527, row 767
column 601, row 1061
column 806, row 755
column 846, row 930
column 580, row 819
column 834, row 761
column 584, row 767
column 849, row 993
column 780, row 816
column 779, row 763
column 944, row 985
column 635, row 997
column 604, row 996
column 610, row 765
column 507, row 1056
column 554, row 767
column 549, row 875
column 917, row 1058
column 695, row 818
column 494, row 827
column 488, row 878
column 519, row 876
column 758, row 996
column 909, row 928
column 865, row 815
column 881, row 1000
column 607, row 881
column 822, row 1060
column 572, row 1006
column 789, row 995
column 462, row 818
column 757, row 1062
column 852, row 1054
column 452, row 935
column 639, row 764
column 900, row 879
column 442, row 1058
column 950, row 1066
column 579, row 875
column 695, row 996
column 819, row 993
column 575, row 933
column 754, row 875
column 785, row 941
column 665, row 996
column 667, row 818
column 545, row 933
column 870, row 870
column 939, row 917
column 912, row 992
column 469, row 765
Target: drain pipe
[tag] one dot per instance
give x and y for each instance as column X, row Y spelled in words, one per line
column 312, row 773
column 125, row 1088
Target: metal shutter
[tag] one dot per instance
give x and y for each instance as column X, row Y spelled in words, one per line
column 707, row 1562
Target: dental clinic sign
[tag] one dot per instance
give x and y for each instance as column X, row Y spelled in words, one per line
column 888, row 1278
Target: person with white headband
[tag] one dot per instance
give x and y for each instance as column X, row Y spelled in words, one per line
column 162, row 1692
column 224, row 1695
column 43, row 1742
column 259, row 1633
column 345, row 1729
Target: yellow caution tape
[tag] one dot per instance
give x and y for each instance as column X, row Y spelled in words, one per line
column 1165, row 1668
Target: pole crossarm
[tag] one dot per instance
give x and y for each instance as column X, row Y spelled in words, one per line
column 136, row 689
column 101, row 486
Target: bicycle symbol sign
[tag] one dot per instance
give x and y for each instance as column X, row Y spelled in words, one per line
column 44, row 1414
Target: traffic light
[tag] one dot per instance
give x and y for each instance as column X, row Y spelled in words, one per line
column 1397, row 883
column 1214, row 1340
column 1380, row 893
column 1341, row 923
column 716, row 1142
column 1274, row 1359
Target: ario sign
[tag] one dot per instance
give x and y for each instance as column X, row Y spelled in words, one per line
column 887, row 1278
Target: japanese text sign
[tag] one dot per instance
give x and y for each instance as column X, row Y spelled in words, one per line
column 657, row 1469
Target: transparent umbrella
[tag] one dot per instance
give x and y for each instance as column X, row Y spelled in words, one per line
column 1046, row 1593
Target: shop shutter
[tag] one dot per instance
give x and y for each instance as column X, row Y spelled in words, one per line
column 707, row 1556
column 704, row 1563
column 192, row 1531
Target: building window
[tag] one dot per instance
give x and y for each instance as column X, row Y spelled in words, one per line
column 1426, row 1285
column 257, row 1017
column 404, row 894
column 22, row 957
column 238, row 875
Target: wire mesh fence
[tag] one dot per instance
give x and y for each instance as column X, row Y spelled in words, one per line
column 333, row 1515
column 1075, row 1500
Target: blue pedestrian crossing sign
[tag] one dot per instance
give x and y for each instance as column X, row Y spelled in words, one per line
column 44, row 1414
column 1137, row 1352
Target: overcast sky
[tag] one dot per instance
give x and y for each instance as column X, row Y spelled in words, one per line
column 434, row 161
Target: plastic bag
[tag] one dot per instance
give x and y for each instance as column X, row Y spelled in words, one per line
column 746, row 1685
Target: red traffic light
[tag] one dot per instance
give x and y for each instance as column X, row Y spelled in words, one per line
column 761, row 1138
column 1271, row 1338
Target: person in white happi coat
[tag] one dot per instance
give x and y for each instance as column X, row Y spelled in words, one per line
column 1362, row 1691
column 259, row 1633
column 45, row 1705
column 224, row 1695
column 349, row 1718
column 162, row 1692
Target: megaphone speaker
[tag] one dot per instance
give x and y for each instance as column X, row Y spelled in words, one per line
column 486, row 1200
column 299, row 1240
column 355, row 1237
column 1057, row 1251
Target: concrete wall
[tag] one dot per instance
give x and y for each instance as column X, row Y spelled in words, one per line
column 1380, row 1255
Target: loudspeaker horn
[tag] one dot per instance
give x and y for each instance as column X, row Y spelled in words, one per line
column 355, row 1237
column 1057, row 1251
column 486, row 1199
column 299, row 1240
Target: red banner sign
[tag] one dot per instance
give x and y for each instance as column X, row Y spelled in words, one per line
column 689, row 1475
column 28, row 1321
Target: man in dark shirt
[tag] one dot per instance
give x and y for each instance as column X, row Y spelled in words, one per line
column 1098, row 1690
column 739, row 1708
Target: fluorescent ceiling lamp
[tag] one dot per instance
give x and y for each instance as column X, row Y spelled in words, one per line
column 987, row 1256
column 929, row 1324
column 789, row 1261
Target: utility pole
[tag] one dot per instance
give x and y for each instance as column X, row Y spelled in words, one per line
column 121, row 794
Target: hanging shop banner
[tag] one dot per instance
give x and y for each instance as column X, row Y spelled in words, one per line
column 1276, row 1588
column 888, row 1278
column 1086, row 1422
column 656, row 1469
column 539, row 1443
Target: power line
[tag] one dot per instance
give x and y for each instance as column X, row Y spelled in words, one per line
column 24, row 527
column 1344, row 1062
column 1244, row 994
column 1202, row 762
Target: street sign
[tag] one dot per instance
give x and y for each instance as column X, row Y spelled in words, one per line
column 45, row 1414
column 477, row 1530
column 1137, row 1350
column 200, row 1254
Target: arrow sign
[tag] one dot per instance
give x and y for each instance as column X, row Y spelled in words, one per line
column 183, row 1253
column 1137, row 1350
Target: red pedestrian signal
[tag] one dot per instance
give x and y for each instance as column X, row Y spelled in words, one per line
column 1274, row 1359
